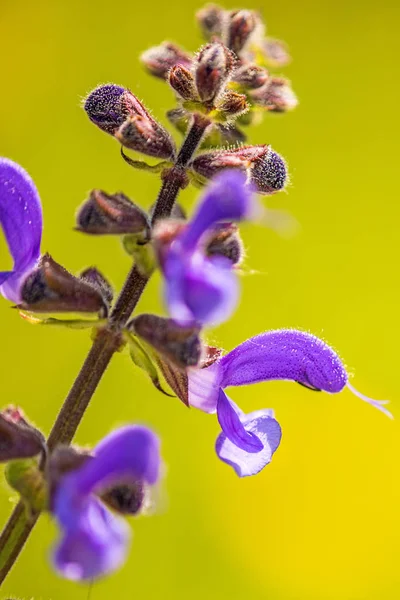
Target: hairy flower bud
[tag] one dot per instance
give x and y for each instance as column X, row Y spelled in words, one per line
column 118, row 112
column 250, row 76
column 160, row 59
column 179, row 345
column 277, row 95
column 276, row 52
column 232, row 104
column 50, row 288
column 241, row 27
column 265, row 168
column 113, row 214
column 182, row 81
column 226, row 242
column 213, row 67
column 96, row 279
column 18, row 438
column 211, row 19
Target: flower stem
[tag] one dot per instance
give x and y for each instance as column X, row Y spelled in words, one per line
column 108, row 341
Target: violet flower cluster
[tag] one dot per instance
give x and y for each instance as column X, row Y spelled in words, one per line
column 218, row 90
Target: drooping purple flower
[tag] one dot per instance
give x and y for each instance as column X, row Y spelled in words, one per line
column 21, row 220
column 248, row 441
column 201, row 288
column 94, row 541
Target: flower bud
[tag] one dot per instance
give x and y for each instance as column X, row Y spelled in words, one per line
column 242, row 25
column 213, row 67
column 276, row 96
column 18, row 438
column 232, row 104
column 96, row 279
column 113, row 214
column 276, row 52
column 179, row 345
column 269, row 173
column 211, row 19
column 118, row 112
column 226, row 242
column 50, row 288
column 250, row 76
column 182, row 81
column 159, row 59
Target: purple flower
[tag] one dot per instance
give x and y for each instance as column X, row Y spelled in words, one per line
column 21, row 220
column 94, row 541
column 200, row 288
column 248, row 441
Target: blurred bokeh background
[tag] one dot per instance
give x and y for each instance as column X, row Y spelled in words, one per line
column 322, row 521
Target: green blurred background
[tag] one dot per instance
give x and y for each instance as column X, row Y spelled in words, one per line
column 323, row 520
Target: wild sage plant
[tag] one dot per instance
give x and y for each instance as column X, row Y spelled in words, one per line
column 220, row 91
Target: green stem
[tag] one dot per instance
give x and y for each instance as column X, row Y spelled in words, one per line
column 107, row 341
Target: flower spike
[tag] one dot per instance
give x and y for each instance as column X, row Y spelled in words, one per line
column 22, row 223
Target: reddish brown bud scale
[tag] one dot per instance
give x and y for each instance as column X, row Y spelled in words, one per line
column 211, row 19
column 143, row 134
column 241, row 27
column 160, row 59
column 213, row 67
column 276, row 96
column 232, row 104
column 18, row 438
column 250, row 76
column 182, row 81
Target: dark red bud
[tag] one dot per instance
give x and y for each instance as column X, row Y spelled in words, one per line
column 250, row 76
column 159, row 59
column 50, row 288
column 143, row 134
column 182, row 81
column 179, row 345
column 233, row 104
column 226, row 242
column 18, row 438
column 96, row 279
column 108, row 106
column 209, row 164
column 213, row 67
column 276, row 52
column 277, row 95
column 114, row 214
column 211, row 19
column 241, row 27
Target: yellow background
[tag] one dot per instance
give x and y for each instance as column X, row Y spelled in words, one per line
column 322, row 521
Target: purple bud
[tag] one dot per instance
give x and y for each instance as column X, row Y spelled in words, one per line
column 250, row 76
column 18, row 438
column 213, row 67
column 159, row 59
column 50, row 288
column 108, row 106
column 242, row 26
column 115, row 214
column 269, row 173
column 182, row 81
column 276, row 96
column 211, row 19
column 180, row 346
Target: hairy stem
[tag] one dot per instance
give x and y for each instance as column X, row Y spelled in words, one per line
column 108, row 340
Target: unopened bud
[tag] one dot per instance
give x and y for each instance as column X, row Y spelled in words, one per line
column 114, row 214
column 213, row 67
column 277, row 95
column 125, row 498
column 276, row 52
column 242, row 26
column 232, row 104
column 211, row 19
column 269, row 173
column 93, row 276
column 51, row 288
column 143, row 134
column 179, row 345
column 160, row 59
column 18, row 438
column 226, row 242
column 250, row 76
column 182, row 81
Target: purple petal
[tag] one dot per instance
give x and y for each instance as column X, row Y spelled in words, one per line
column 284, row 354
column 266, row 429
column 199, row 289
column 130, row 452
column 21, row 220
column 232, row 426
column 227, row 198
column 95, row 543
